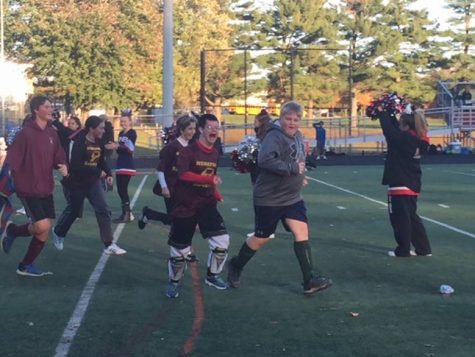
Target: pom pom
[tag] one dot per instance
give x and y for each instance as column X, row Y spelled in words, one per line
column 392, row 103
column 167, row 135
column 56, row 114
column 12, row 133
column 246, row 154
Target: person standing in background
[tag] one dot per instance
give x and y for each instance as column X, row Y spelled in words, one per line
column 125, row 167
column 108, row 139
column 320, row 137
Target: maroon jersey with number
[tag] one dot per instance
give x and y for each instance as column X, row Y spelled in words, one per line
column 190, row 196
column 167, row 163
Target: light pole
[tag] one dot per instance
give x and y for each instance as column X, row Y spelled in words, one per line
column 167, row 87
column 2, row 65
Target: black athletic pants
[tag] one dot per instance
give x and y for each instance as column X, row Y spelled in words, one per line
column 407, row 226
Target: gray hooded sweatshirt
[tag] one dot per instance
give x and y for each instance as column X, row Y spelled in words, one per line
column 279, row 182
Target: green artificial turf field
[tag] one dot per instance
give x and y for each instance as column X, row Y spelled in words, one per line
column 378, row 306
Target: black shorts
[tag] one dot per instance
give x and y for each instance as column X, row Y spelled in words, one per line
column 38, row 208
column 267, row 217
column 208, row 219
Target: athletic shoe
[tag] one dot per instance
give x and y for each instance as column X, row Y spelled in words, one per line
column 58, row 241
column 414, row 254
column 233, row 274
column 249, row 235
column 7, row 240
column 114, row 249
column 316, row 284
column 392, row 253
column 172, row 290
column 216, row 282
column 142, row 222
column 31, row 270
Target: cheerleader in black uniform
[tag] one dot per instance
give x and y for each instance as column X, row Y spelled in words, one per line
column 125, row 164
column 407, row 140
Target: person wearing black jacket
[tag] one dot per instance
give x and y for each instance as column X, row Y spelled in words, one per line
column 407, row 140
column 66, row 135
column 86, row 167
column 108, row 138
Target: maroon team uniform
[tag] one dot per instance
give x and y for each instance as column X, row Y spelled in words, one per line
column 195, row 196
column 167, row 164
column 195, row 203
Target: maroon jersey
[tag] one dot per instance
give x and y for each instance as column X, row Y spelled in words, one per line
column 191, row 196
column 167, row 163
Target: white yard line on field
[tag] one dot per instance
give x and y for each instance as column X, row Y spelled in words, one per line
column 460, row 173
column 74, row 323
column 452, row 228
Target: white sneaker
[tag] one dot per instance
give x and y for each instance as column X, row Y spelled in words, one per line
column 391, row 253
column 249, row 235
column 57, row 240
column 414, row 254
column 114, row 249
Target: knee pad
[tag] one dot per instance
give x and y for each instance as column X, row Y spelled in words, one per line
column 176, row 253
column 176, row 268
column 219, row 242
column 216, row 259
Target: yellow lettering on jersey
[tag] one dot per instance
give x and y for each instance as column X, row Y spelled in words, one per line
column 205, row 163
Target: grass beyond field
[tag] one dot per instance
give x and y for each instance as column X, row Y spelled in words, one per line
column 378, row 306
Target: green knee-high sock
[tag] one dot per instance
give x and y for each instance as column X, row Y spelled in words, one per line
column 245, row 254
column 304, row 256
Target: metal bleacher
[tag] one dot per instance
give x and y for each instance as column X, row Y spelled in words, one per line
column 459, row 114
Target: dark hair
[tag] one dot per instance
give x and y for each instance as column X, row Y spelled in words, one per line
column 76, row 120
column 126, row 113
column 183, row 122
column 264, row 120
column 92, row 122
column 36, row 102
column 205, row 117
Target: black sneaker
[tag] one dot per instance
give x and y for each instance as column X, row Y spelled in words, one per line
column 142, row 222
column 234, row 274
column 316, row 284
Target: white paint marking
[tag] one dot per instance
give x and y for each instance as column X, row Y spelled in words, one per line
column 452, row 228
column 341, row 207
column 443, row 206
column 235, row 209
column 461, row 173
column 81, row 307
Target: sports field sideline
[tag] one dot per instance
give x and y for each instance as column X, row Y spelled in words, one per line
column 379, row 306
